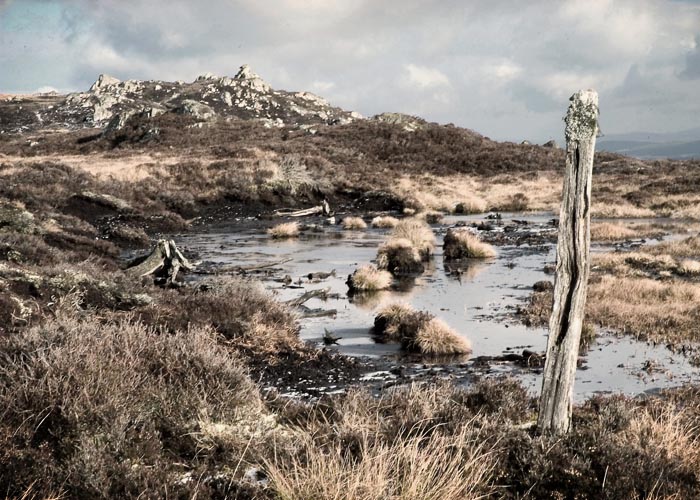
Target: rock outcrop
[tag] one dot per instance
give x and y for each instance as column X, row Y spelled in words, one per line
column 110, row 102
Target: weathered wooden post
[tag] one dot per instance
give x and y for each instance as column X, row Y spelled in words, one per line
column 573, row 266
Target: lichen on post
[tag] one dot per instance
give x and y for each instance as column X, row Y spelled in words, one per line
column 573, row 266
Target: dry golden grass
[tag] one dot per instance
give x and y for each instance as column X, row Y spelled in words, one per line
column 399, row 256
column 418, row 233
column 615, row 231
column 633, row 263
column 689, row 267
column 500, row 192
column 284, row 230
column 391, row 316
column 470, row 205
column 385, row 222
column 608, row 231
column 665, row 311
column 369, row 278
column 463, row 244
column 688, row 247
column 426, row 466
column 419, row 331
column 619, row 210
column 437, row 338
column 353, row 223
column 667, row 431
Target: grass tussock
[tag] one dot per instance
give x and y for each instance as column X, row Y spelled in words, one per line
column 463, row 244
column 400, row 257
column 284, row 230
column 418, row 233
column 384, row 222
column 419, row 332
column 369, row 279
column 472, row 205
column 354, row 223
column 437, row 338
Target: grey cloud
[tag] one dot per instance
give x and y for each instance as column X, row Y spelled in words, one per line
column 550, row 49
column 692, row 62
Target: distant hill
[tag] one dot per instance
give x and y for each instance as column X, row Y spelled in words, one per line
column 644, row 145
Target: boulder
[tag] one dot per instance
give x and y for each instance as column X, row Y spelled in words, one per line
column 104, row 81
column 197, row 109
column 246, row 77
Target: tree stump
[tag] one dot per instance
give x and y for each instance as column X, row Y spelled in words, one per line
column 573, row 266
column 163, row 263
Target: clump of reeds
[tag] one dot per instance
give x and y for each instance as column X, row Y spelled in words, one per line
column 369, row 279
column 284, row 230
column 353, row 223
column 419, row 331
column 466, row 245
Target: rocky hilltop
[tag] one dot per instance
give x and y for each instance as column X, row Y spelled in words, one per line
column 111, row 102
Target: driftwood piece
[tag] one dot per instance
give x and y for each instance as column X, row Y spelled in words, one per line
column 322, row 293
column 316, row 313
column 573, row 266
column 164, row 263
column 323, row 209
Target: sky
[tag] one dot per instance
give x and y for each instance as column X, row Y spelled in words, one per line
column 504, row 68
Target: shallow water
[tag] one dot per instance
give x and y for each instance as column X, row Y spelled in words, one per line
column 476, row 301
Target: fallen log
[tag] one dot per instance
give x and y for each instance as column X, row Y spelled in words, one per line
column 163, row 263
